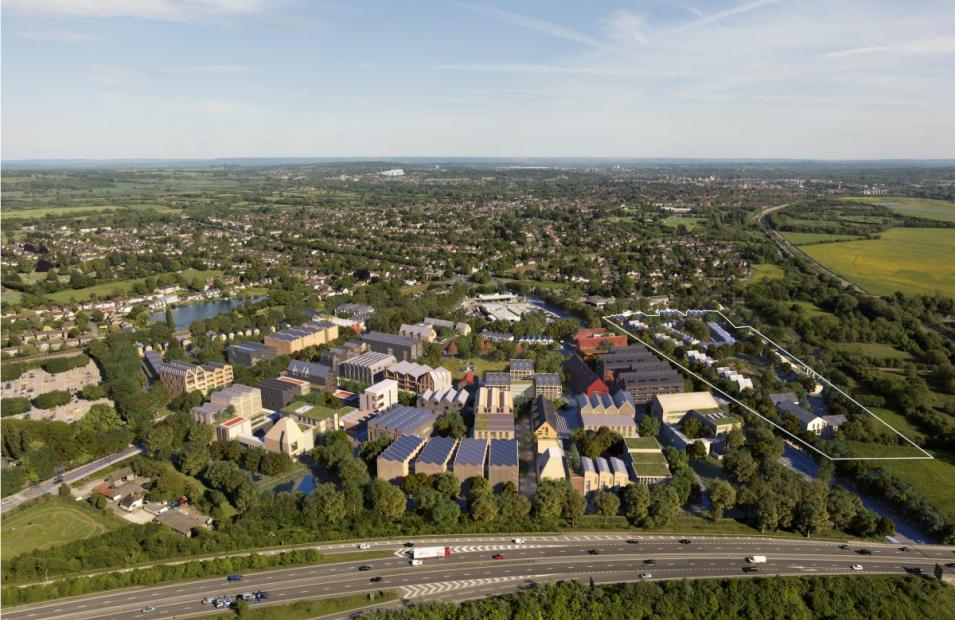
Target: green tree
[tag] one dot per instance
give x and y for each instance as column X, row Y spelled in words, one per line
column 607, row 503
column 636, row 503
column 485, row 508
column 387, row 501
column 722, row 495
column 450, row 424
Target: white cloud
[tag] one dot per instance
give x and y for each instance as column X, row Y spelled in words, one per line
column 626, row 28
column 57, row 36
column 168, row 10
column 921, row 47
column 721, row 15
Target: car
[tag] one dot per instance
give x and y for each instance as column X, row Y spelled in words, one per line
column 863, row 551
column 498, row 556
column 364, row 568
column 235, row 578
column 633, row 541
column 913, row 570
column 950, row 565
column 904, row 549
column 147, row 609
column 375, row 579
column 750, row 569
column 843, row 546
column 417, row 562
column 685, row 541
column 519, row 541
column 209, row 600
column 651, row 562
column 593, row 551
column 261, row 596
column 364, row 546
column 856, row 567
column 646, row 575
column 409, row 544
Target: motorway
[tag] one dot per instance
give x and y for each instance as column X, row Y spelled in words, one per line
column 52, row 486
column 471, row 571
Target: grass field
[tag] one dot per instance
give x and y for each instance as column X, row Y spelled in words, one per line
column 766, row 271
column 875, row 350
column 798, row 238
column 456, row 365
column 52, row 521
column 910, row 260
column 810, row 308
column 307, row 609
column 81, row 210
column 123, row 286
column 915, row 207
column 690, row 222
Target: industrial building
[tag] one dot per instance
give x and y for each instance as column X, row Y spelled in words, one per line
column 367, row 368
column 435, row 456
column 400, row 347
column 502, row 464
column 401, row 420
column 444, row 401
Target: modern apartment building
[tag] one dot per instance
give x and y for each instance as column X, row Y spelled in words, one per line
column 245, row 400
column 294, row 339
column 521, row 369
column 401, row 420
column 418, row 378
column 249, row 353
column 180, row 377
column 547, row 384
column 318, row 375
column 367, row 368
column 379, row 396
column 400, row 347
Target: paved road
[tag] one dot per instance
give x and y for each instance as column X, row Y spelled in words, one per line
column 51, row 486
column 471, row 572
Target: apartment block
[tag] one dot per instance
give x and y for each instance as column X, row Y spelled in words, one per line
column 547, row 384
column 180, row 377
column 249, row 353
column 418, row 378
column 392, row 344
column 367, row 368
column 294, row 339
column 420, row 331
column 245, row 400
column 379, row 396
column 401, row 420
column 521, row 369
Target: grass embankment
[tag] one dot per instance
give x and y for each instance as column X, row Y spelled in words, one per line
column 911, row 260
column 122, row 287
column 914, row 207
column 303, row 610
column 51, row 521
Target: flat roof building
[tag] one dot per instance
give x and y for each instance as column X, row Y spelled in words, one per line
column 671, row 408
column 589, row 340
column 233, row 428
column 521, row 369
column 401, row 420
column 395, row 462
column 470, row 458
column 379, row 396
column 245, row 400
column 278, row 394
column 322, row 419
column 502, row 464
column 547, row 384
column 435, row 456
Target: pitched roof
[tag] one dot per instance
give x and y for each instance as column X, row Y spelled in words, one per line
column 503, row 452
column 402, row 448
column 471, row 452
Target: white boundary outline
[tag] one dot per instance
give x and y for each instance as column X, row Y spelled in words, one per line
column 812, row 373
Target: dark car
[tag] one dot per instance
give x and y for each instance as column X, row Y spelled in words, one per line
column 913, row 570
column 375, row 579
column 750, row 569
column 633, row 541
column 863, row 551
column 235, row 578
column 685, row 541
column 904, row 549
column 364, row 567
column 594, row 551
column 649, row 561
column 409, row 544
column 843, row 546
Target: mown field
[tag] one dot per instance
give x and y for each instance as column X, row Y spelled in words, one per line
column 875, row 350
column 766, row 271
column 910, row 260
column 690, row 222
column 123, row 286
column 83, row 210
column 798, row 238
column 53, row 521
column 915, row 207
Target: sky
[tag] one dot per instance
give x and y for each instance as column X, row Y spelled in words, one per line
column 826, row 79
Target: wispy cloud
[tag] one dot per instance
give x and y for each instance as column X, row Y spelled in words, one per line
column 537, row 25
column 167, row 10
column 54, row 35
column 721, row 15
column 116, row 75
column 919, row 47
column 626, row 28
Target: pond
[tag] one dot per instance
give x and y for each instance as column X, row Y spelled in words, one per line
column 184, row 316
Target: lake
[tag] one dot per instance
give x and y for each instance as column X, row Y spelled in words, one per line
column 184, row 316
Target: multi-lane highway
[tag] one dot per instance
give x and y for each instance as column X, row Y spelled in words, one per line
column 471, row 571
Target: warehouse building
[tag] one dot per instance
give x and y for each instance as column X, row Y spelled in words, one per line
column 401, row 420
column 435, row 456
column 395, row 462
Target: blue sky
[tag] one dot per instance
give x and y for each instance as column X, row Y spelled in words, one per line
column 255, row 78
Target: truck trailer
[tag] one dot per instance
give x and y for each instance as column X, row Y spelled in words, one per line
column 421, row 553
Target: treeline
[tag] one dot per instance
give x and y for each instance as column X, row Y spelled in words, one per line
column 196, row 569
column 776, row 597
column 14, row 370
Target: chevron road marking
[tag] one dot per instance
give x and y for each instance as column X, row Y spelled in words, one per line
column 431, row 589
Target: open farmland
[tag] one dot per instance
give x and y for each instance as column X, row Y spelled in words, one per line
column 910, row 260
column 798, row 238
column 915, row 207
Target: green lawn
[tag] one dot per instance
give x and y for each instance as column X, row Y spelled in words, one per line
column 810, row 308
column 690, row 222
column 123, row 286
column 875, row 350
column 798, row 238
column 915, row 207
column 51, row 521
column 482, row 365
column 910, row 260
column 81, row 210
column 766, row 271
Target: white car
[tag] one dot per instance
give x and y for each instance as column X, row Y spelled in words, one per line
column 364, row 546
column 646, row 576
column 519, row 541
column 856, row 567
column 148, row 609
column 417, row 562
